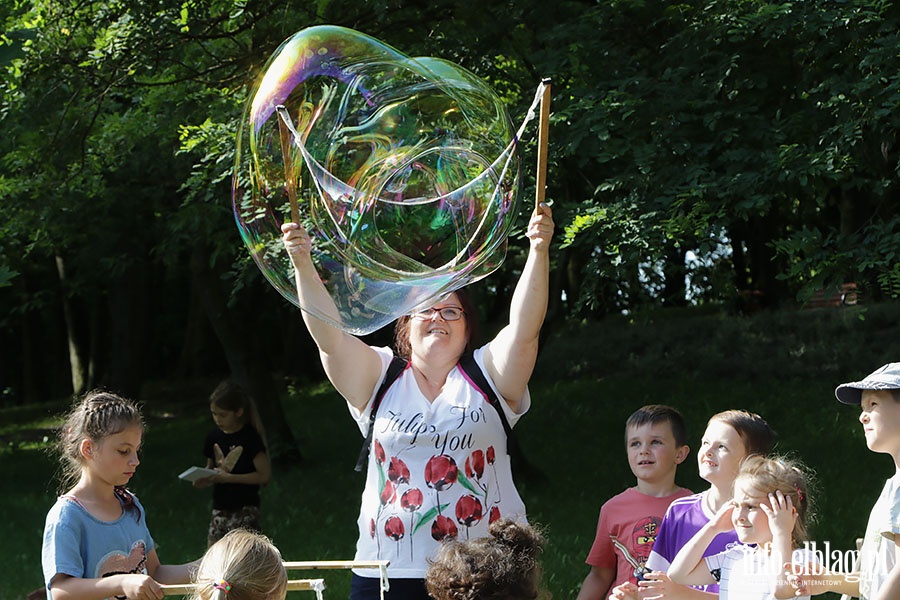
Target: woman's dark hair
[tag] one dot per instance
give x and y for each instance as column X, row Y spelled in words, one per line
column 502, row 566
column 401, row 329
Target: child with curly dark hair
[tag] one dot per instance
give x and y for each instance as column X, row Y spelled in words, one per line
column 501, row 566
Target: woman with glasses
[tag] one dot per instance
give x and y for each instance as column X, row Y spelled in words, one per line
column 438, row 467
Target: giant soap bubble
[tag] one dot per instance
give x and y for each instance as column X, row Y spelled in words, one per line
column 404, row 170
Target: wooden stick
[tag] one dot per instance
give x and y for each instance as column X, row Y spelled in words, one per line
column 336, row 564
column 290, row 182
column 293, row 585
column 543, row 135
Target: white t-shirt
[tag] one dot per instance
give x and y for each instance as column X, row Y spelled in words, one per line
column 436, row 470
column 747, row 573
column 877, row 555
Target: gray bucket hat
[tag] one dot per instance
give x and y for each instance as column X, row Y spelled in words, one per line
column 885, row 378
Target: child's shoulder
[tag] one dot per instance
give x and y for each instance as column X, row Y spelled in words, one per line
column 633, row 494
column 687, row 501
column 684, row 505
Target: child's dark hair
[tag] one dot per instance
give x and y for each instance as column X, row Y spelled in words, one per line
column 653, row 414
column 791, row 478
column 231, row 396
column 97, row 415
column 502, row 566
column 753, row 430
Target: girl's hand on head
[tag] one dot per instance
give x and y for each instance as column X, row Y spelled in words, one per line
column 656, row 584
column 781, row 514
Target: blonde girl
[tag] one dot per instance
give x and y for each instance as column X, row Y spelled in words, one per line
column 241, row 566
column 96, row 541
column 769, row 512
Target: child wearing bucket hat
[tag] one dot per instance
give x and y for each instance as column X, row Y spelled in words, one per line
column 878, row 396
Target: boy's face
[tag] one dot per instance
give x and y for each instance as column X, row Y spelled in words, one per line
column 721, row 452
column 653, row 454
column 880, row 418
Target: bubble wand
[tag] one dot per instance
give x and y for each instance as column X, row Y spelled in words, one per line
column 290, row 183
column 543, row 135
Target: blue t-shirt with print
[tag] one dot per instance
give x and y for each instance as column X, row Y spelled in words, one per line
column 78, row 544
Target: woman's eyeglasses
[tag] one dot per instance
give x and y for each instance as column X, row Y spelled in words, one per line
column 448, row 313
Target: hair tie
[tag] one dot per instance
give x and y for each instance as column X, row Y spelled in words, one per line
column 799, row 492
column 222, row 585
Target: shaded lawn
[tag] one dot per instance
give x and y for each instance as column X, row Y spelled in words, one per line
column 574, row 434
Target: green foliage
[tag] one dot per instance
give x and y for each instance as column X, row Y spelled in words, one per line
column 758, row 136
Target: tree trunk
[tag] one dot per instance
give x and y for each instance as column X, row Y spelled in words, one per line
column 247, row 368
column 77, row 368
column 674, row 273
column 128, row 319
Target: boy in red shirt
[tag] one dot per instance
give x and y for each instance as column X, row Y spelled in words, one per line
column 656, row 443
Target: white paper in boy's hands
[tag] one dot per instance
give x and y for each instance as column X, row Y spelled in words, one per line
column 195, row 473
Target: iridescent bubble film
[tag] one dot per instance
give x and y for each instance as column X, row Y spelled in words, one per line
column 404, row 169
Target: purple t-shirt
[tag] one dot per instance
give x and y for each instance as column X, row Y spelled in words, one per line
column 684, row 518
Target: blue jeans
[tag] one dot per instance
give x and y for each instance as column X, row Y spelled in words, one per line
column 368, row 588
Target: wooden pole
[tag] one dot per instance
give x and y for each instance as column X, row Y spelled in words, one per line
column 543, row 135
column 290, row 182
column 335, row 564
column 293, row 585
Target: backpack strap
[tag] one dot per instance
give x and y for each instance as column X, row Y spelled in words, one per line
column 394, row 370
column 475, row 376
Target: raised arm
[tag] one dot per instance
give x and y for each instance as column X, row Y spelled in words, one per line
column 688, row 567
column 510, row 356
column 352, row 366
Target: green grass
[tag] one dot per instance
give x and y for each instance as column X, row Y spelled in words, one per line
column 589, row 379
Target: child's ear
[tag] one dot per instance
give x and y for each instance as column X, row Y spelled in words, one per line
column 682, row 454
column 87, row 449
column 240, row 413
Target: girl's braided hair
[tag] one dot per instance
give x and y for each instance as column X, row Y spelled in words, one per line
column 95, row 416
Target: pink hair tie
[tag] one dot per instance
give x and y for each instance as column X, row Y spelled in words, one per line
column 222, row 585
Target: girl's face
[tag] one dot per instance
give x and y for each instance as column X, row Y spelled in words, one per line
column 750, row 522
column 114, row 459
column 431, row 331
column 229, row 421
column 721, row 453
